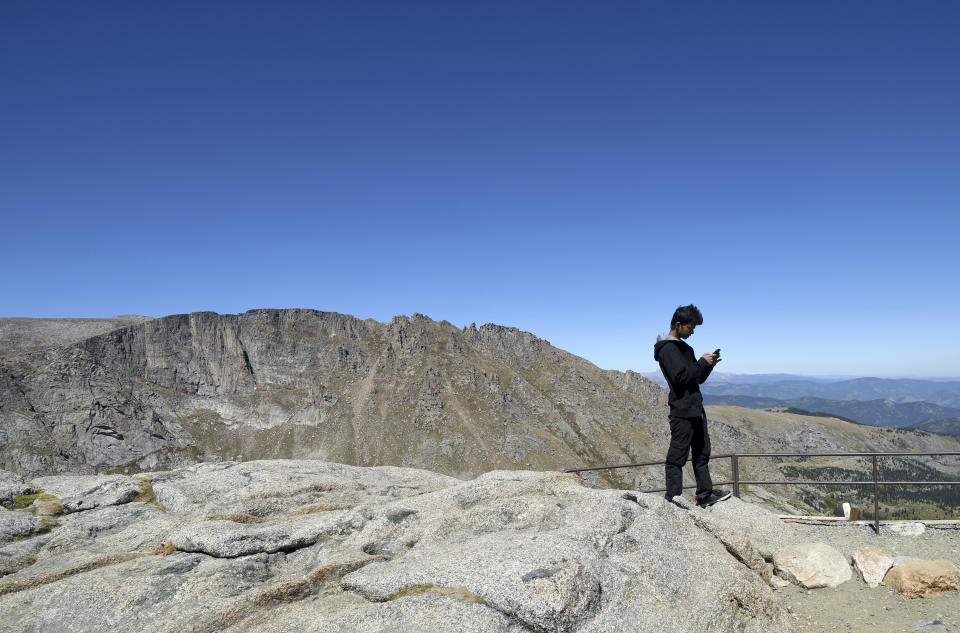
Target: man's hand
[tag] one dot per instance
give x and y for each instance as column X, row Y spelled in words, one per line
column 712, row 359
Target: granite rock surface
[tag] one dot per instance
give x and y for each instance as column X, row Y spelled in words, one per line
column 812, row 565
column 281, row 545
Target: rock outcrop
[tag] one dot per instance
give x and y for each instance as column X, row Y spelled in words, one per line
column 306, row 384
column 922, row 578
column 306, row 545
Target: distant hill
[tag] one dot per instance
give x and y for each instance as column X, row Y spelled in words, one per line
column 718, row 377
column 949, row 426
column 872, row 412
column 944, row 393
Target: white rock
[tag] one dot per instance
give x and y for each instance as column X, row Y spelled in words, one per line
column 812, row 565
column 872, row 564
column 905, row 529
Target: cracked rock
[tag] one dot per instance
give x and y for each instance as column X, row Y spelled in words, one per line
column 321, row 546
column 89, row 492
column 16, row 525
column 228, row 539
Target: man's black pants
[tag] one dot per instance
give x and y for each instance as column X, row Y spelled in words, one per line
column 687, row 433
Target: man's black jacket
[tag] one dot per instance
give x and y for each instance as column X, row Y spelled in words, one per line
column 684, row 374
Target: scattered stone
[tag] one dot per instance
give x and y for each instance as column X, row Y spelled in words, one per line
column 898, row 560
column 812, row 565
column 921, row 624
column 872, row 564
column 923, row 578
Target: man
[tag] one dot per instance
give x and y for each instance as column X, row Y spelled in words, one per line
column 688, row 421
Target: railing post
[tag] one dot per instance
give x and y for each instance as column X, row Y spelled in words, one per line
column 735, row 471
column 876, row 499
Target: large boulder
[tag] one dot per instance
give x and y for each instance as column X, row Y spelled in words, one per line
column 812, row 565
column 872, row 564
column 923, row 578
column 274, row 546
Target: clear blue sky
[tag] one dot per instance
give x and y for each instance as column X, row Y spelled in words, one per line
column 573, row 169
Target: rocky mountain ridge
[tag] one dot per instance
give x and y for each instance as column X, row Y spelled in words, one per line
column 945, row 392
column 302, row 383
column 879, row 412
column 413, row 392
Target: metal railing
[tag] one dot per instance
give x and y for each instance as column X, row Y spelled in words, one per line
column 736, row 482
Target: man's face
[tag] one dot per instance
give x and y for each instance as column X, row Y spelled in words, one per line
column 684, row 330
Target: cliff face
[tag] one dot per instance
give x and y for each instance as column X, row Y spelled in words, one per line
column 307, row 384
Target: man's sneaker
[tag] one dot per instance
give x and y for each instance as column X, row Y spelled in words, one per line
column 711, row 498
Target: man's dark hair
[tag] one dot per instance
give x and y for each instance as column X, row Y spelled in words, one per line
column 685, row 315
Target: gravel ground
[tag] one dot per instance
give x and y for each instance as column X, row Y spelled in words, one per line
column 853, row 606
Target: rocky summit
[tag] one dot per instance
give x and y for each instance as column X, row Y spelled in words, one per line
column 300, row 545
column 305, row 384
